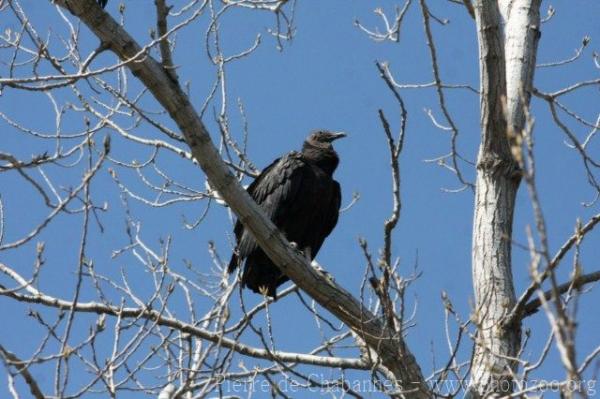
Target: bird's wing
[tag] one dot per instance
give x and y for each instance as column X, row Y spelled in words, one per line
column 239, row 227
column 327, row 217
column 273, row 190
column 334, row 209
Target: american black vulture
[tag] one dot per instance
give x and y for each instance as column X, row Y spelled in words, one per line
column 298, row 193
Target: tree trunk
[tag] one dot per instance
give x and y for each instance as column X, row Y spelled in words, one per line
column 508, row 33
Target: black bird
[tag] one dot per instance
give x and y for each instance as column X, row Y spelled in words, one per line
column 102, row 3
column 298, row 193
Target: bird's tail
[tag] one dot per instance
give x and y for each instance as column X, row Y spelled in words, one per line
column 260, row 280
column 262, row 276
column 233, row 263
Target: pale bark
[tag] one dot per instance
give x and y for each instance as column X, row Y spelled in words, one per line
column 508, row 33
column 389, row 345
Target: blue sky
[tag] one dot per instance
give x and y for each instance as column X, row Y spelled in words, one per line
column 326, row 78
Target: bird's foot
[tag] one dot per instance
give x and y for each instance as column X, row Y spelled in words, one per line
column 305, row 251
column 322, row 271
column 307, row 254
column 267, row 292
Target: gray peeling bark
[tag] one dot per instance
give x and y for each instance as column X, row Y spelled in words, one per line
column 508, row 32
column 389, row 345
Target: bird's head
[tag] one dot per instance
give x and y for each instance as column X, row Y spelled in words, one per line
column 317, row 147
column 324, row 138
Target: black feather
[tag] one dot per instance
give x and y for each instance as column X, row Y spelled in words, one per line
column 298, row 193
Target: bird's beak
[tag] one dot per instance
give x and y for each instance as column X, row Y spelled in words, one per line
column 337, row 135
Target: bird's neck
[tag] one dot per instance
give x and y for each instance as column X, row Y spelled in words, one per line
column 325, row 158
